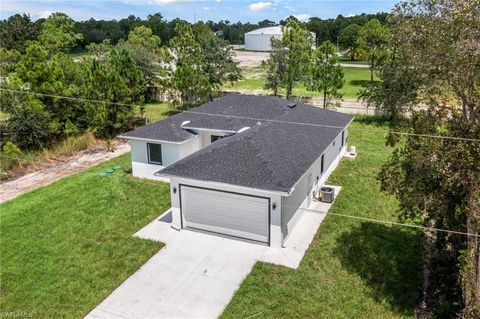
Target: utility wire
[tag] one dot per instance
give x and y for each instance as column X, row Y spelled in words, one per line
column 386, row 222
column 249, row 118
column 380, row 221
column 126, row 178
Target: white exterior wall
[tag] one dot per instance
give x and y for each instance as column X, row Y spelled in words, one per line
column 298, row 198
column 171, row 152
column 275, row 214
column 260, row 42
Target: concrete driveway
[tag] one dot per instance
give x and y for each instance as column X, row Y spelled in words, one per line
column 196, row 274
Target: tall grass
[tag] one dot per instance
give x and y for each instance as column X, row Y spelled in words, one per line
column 26, row 161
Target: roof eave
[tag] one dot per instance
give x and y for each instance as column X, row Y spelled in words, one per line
column 220, row 184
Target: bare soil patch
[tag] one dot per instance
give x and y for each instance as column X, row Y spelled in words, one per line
column 51, row 171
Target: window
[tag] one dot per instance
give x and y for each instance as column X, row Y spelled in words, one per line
column 154, row 153
column 214, row 138
column 343, row 138
column 321, row 164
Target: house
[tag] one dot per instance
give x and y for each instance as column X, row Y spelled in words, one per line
column 259, row 39
column 242, row 165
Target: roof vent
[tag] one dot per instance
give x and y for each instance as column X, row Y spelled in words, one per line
column 259, row 123
column 291, row 104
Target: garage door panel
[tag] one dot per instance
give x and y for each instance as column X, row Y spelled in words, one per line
column 226, row 213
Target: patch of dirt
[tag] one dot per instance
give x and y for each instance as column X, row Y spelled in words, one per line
column 250, row 58
column 52, row 171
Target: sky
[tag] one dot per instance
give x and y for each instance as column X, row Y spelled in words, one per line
column 195, row 10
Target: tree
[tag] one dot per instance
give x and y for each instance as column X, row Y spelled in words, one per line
column 298, row 43
column 275, row 67
column 188, row 82
column 373, row 39
column 202, row 32
column 348, row 39
column 57, row 33
column 159, row 26
column 218, row 57
column 8, row 61
column 145, row 49
column 435, row 45
column 59, row 76
column 119, row 83
column 325, row 74
column 16, row 31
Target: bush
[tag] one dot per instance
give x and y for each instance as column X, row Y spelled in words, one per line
column 30, row 129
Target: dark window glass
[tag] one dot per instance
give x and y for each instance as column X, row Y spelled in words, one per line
column 321, row 165
column 214, row 138
column 154, row 153
column 343, row 138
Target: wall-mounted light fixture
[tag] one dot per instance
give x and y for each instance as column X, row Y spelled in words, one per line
column 274, row 205
column 174, row 190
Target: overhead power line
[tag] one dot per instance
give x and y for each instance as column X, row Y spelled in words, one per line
column 248, row 118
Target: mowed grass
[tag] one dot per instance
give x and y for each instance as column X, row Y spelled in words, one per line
column 66, row 246
column 353, row 268
column 156, row 111
column 355, row 80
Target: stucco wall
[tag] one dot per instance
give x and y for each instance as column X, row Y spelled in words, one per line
column 170, row 153
column 298, row 198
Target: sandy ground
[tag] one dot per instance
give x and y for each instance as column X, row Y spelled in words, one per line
column 250, row 58
column 59, row 169
column 253, row 58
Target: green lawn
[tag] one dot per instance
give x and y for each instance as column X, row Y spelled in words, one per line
column 157, row 111
column 355, row 79
column 353, row 268
column 66, row 246
column 346, row 59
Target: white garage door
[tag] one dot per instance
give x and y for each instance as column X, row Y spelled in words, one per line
column 226, row 213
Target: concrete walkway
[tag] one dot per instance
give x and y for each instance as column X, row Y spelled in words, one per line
column 196, row 274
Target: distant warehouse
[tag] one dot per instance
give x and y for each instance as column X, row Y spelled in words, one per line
column 259, row 40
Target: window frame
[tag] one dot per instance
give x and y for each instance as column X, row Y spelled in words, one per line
column 150, row 161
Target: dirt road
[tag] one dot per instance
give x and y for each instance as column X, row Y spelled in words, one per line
column 253, row 58
column 57, row 170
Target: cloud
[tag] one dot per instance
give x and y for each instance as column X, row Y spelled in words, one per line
column 170, row 1
column 43, row 14
column 302, row 16
column 259, row 6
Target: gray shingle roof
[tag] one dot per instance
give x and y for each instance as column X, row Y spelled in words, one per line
column 271, row 156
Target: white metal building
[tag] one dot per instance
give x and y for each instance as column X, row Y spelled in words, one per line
column 259, row 40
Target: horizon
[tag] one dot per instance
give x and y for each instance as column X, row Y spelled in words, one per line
column 196, row 10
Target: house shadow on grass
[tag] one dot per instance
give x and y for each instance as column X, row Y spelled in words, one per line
column 388, row 259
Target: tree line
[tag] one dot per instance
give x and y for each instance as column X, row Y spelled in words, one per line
column 99, row 91
column 16, row 30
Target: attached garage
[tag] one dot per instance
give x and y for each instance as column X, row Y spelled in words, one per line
column 234, row 214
